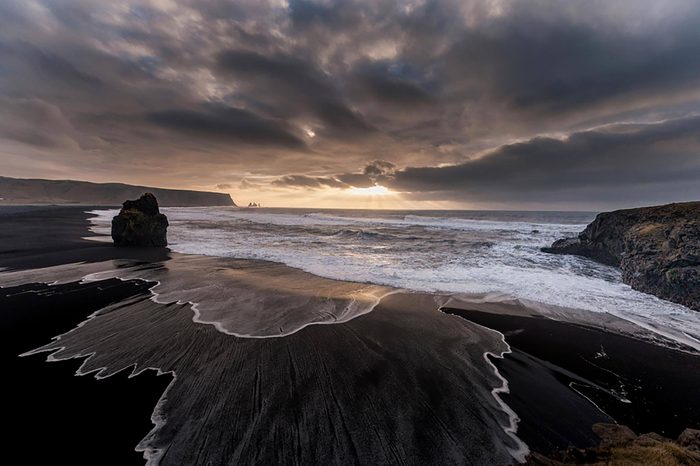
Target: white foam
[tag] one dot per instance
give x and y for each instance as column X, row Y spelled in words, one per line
column 299, row 299
column 194, row 214
column 427, row 253
column 521, row 450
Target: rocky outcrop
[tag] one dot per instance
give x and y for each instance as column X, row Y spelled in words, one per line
column 619, row 445
column 657, row 249
column 140, row 223
column 690, row 439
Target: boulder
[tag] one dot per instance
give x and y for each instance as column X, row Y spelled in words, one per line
column 567, row 246
column 690, row 439
column 651, row 439
column 612, row 435
column 657, row 249
column 140, row 223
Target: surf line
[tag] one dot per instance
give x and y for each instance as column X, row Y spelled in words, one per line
column 520, row 452
column 362, row 301
column 346, row 316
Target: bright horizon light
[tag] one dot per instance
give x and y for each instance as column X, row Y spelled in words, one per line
column 375, row 190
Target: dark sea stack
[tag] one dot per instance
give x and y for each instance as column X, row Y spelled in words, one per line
column 140, row 223
column 657, row 248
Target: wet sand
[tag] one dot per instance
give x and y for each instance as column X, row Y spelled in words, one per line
column 51, row 416
column 396, row 386
column 645, row 386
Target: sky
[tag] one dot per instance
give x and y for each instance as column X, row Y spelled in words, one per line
column 417, row 104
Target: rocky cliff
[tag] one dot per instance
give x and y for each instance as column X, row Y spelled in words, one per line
column 140, row 223
column 657, row 249
column 36, row 191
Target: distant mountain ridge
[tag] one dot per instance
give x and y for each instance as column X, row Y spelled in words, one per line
column 39, row 191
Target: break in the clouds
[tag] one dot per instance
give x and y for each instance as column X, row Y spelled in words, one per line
column 475, row 103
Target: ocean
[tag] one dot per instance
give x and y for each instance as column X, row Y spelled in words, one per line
column 486, row 255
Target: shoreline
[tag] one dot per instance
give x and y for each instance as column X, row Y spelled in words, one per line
column 644, row 386
column 157, row 418
column 517, row 387
column 47, row 399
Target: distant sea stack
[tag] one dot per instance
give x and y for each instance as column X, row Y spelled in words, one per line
column 140, row 223
column 35, row 191
column 657, row 248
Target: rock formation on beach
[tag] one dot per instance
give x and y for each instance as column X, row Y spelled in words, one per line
column 140, row 223
column 620, row 445
column 657, row 249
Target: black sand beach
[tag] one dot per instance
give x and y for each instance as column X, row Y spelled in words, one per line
column 403, row 384
column 55, row 417
column 646, row 387
column 58, row 418
column 43, row 236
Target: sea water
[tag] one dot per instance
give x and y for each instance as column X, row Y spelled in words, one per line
column 493, row 253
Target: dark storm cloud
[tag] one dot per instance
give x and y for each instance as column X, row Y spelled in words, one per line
column 305, row 92
column 290, row 87
column 230, row 123
column 377, row 172
column 629, row 162
column 379, row 168
column 310, row 182
column 395, row 91
column 62, row 70
column 558, row 64
column 39, row 124
column 289, row 71
column 356, row 180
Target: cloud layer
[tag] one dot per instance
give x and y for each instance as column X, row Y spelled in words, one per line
column 467, row 102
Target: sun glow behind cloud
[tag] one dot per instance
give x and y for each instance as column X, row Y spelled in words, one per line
column 372, row 197
column 375, row 190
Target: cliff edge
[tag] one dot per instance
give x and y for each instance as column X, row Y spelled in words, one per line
column 657, row 248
